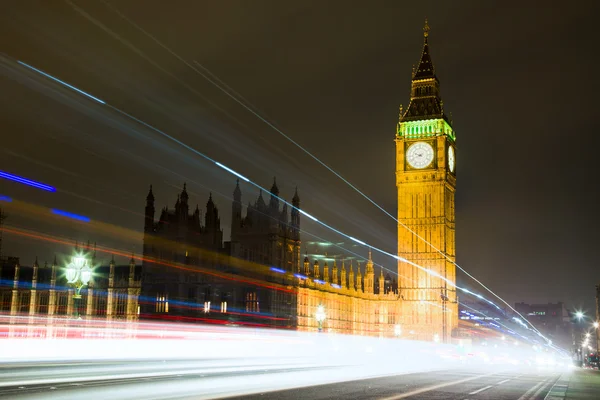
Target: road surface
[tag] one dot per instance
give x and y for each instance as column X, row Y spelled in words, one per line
column 251, row 379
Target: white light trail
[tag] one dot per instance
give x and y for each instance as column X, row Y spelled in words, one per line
column 232, row 171
column 357, row 241
column 307, row 215
column 257, row 185
column 61, row 82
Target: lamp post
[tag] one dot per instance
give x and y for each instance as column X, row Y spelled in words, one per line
column 320, row 316
column 78, row 275
column 397, row 330
column 596, row 325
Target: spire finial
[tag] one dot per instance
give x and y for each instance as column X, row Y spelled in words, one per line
column 426, row 29
column 369, row 254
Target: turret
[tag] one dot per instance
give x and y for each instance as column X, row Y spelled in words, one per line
column 334, row 274
column 209, row 217
column 274, row 202
column 306, row 266
column 344, row 280
column 149, row 213
column 131, row 270
column 326, row 271
column 316, row 274
column 381, row 282
column 111, row 272
column 296, row 216
column 236, row 212
column 183, row 207
column 351, row 277
column 369, row 276
column 358, row 279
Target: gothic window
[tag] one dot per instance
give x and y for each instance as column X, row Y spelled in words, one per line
column 62, row 299
column 100, row 304
column 121, row 304
column 162, row 303
column 24, row 300
column 252, row 304
column 43, row 300
column 5, row 300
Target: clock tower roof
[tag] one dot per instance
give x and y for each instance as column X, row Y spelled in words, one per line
column 425, row 100
column 425, row 69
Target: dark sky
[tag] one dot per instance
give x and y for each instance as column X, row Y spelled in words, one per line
column 520, row 79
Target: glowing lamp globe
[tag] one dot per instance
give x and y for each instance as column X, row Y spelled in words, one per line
column 71, row 273
column 320, row 315
column 595, row 325
column 79, row 262
column 397, row 330
column 86, row 274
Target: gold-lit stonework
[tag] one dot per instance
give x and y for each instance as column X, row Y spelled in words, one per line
column 426, row 186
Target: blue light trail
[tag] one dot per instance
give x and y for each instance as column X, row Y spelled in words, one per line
column 70, row 215
column 85, row 219
column 5, row 198
column 26, row 181
column 61, row 82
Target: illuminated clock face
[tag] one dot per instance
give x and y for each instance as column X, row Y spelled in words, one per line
column 451, row 160
column 419, row 155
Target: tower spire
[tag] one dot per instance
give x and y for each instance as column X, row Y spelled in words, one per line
column 425, row 68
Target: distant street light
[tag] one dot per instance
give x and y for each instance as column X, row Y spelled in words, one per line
column 596, row 324
column 320, row 316
column 579, row 315
column 78, row 275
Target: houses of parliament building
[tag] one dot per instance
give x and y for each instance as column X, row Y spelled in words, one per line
column 260, row 277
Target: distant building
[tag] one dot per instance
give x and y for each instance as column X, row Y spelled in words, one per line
column 551, row 319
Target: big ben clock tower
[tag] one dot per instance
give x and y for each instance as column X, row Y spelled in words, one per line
column 426, row 181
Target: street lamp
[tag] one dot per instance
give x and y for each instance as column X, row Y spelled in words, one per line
column 579, row 315
column 320, row 316
column 78, row 275
column 596, row 333
column 397, row 330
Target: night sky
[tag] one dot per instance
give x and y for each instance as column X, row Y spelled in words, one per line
column 520, row 79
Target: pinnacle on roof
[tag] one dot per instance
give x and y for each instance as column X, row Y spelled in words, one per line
column 184, row 194
column 425, row 69
column 296, row 198
column 260, row 200
column 210, row 204
column 150, row 196
column 274, row 188
column 237, row 192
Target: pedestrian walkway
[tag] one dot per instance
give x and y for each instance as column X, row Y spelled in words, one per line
column 581, row 384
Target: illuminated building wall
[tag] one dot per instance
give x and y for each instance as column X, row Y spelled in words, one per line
column 426, row 181
column 112, row 293
column 353, row 304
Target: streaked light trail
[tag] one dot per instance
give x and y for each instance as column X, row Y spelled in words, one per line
column 61, row 82
column 307, row 215
column 26, row 181
column 260, row 187
column 214, row 80
column 70, row 215
column 232, row 171
column 5, row 198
